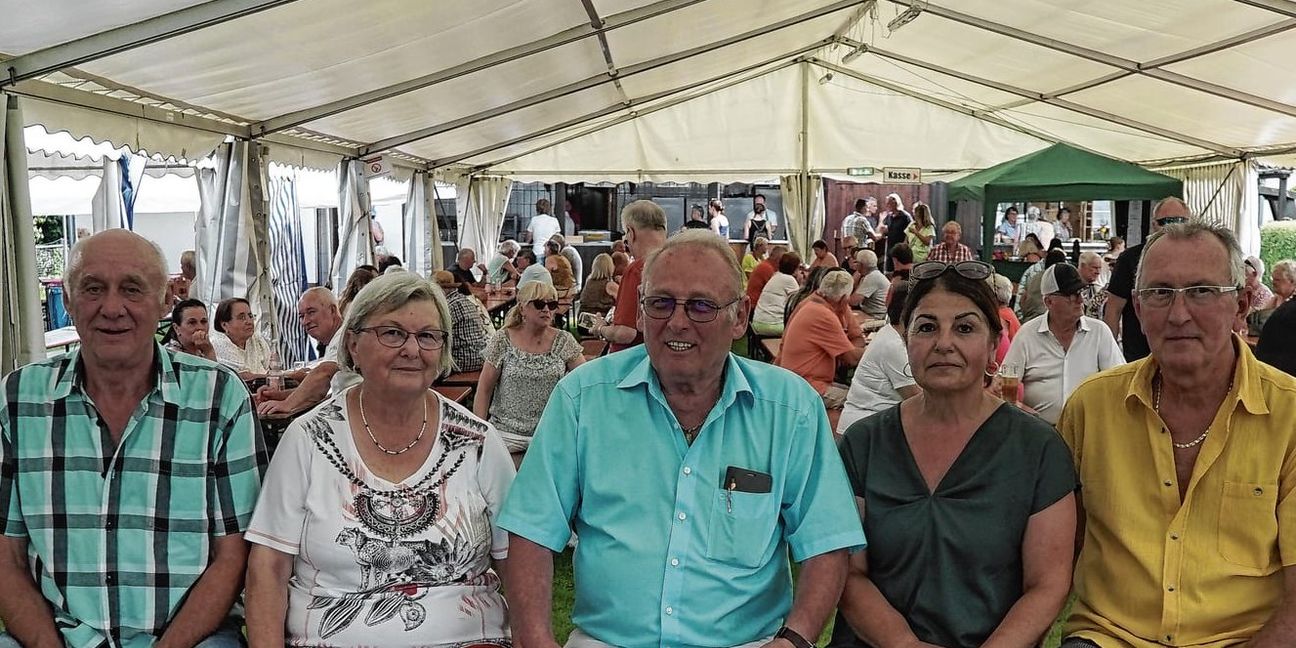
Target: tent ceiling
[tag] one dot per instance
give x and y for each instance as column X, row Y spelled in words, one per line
column 561, row 87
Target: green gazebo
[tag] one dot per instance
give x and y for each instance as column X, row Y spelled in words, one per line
column 1059, row 172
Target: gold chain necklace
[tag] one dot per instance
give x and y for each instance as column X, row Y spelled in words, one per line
column 384, row 448
column 1156, row 405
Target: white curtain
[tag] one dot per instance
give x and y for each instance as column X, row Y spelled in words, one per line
column 22, row 338
column 803, row 210
column 486, row 201
column 231, row 247
column 1226, row 193
column 108, row 208
column 355, row 214
column 422, row 237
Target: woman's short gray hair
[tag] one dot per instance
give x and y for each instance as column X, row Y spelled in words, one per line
column 1286, row 268
column 1002, row 288
column 386, row 294
column 836, row 284
column 1193, row 229
column 509, row 247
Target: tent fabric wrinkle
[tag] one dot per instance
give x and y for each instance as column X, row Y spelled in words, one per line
column 803, row 210
column 487, row 199
column 355, row 215
column 108, row 208
column 288, row 265
column 1224, row 193
column 21, row 331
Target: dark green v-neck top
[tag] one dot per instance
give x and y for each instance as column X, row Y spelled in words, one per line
column 951, row 561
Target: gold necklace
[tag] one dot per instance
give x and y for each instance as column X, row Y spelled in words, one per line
column 382, row 447
column 1156, row 406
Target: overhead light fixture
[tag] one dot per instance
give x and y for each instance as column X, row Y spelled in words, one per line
column 905, row 18
column 854, row 54
column 823, row 80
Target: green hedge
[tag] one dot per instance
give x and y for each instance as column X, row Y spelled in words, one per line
column 1277, row 242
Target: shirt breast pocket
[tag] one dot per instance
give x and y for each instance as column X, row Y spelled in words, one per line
column 742, row 528
column 1248, row 528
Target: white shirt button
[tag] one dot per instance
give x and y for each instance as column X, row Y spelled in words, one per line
column 682, row 516
column 670, row 611
column 688, row 471
column 674, row 562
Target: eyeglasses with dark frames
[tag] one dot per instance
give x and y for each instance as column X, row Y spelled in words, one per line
column 698, row 310
column 394, row 337
column 974, row 270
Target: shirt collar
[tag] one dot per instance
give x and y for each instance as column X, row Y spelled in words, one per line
column 1246, row 381
column 164, row 375
column 642, row 373
column 1082, row 325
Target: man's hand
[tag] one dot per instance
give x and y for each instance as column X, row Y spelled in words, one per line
column 272, row 407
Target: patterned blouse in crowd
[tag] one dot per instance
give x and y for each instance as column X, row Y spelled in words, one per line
column 525, row 382
column 254, row 357
column 385, row 564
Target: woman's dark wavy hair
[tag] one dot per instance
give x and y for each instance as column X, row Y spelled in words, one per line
column 225, row 312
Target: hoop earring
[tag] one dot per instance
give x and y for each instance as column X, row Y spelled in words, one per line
column 992, row 370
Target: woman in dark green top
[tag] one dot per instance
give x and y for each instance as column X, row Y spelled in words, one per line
column 967, row 502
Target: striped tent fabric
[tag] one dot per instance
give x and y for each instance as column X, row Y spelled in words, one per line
column 287, row 266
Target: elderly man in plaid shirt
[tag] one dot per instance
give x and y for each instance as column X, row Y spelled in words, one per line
column 128, row 474
column 950, row 250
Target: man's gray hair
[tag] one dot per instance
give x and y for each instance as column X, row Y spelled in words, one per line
column 952, row 225
column 386, row 294
column 509, row 247
column 1286, row 268
column 1193, row 229
column 835, row 284
column 867, row 258
column 1002, row 287
column 699, row 241
column 324, row 295
column 643, row 215
column 1089, row 256
column 76, row 259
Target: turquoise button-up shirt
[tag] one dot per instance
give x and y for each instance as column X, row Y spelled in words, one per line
column 667, row 557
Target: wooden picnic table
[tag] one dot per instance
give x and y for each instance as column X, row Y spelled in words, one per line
column 456, row 393
column 772, row 346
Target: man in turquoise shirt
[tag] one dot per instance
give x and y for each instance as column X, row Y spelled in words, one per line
column 689, row 474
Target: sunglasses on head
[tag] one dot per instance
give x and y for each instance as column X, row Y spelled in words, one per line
column 542, row 304
column 975, row 270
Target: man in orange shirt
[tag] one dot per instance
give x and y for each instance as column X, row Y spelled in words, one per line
column 816, row 338
column 763, row 272
column 644, row 223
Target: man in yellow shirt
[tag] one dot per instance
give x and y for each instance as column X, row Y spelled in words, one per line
column 1188, row 465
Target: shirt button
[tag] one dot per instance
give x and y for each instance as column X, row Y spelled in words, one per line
column 109, row 579
column 1170, row 589
column 674, row 562
column 688, row 471
column 1258, row 491
column 1169, row 638
column 1168, row 482
column 670, row 611
column 682, row 517
column 1174, row 536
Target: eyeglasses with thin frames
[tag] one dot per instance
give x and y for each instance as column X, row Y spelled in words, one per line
column 697, row 310
column 1193, row 295
column 394, row 337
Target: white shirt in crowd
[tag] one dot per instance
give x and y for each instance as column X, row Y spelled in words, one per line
column 344, row 377
column 542, row 228
column 773, row 298
column 1050, row 374
column 881, row 373
column 873, row 287
column 254, row 357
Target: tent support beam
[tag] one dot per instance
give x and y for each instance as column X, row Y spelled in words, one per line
column 1063, row 103
column 1131, row 67
column 580, row 32
column 128, row 37
column 1284, row 7
column 898, row 89
column 596, row 23
column 648, row 111
column 601, row 79
column 627, row 105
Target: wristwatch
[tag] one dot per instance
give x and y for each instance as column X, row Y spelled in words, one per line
column 793, row 636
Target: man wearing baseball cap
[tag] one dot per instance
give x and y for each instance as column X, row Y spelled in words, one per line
column 1059, row 349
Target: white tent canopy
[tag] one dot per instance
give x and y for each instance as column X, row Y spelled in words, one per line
column 665, row 89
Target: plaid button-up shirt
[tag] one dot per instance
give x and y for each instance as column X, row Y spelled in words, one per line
column 116, row 535
column 943, row 253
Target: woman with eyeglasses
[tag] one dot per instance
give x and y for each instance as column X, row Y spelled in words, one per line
column 524, row 360
column 236, row 342
column 375, row 523
column 967, row 501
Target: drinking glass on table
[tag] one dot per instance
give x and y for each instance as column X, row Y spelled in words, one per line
column 1009, row 381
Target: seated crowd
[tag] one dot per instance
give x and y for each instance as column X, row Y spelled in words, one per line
column 983, row 470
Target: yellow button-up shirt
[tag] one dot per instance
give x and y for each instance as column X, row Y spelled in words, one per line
column 1206, row 572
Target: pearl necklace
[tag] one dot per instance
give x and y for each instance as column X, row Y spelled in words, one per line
column 380, row 446
column 1156, row 405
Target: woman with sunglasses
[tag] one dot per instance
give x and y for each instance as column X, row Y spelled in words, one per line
column 524, row 360
column 375, row 524
column 967, row 501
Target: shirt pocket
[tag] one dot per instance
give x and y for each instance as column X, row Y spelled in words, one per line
column 742, row 528
column 1248, row 528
